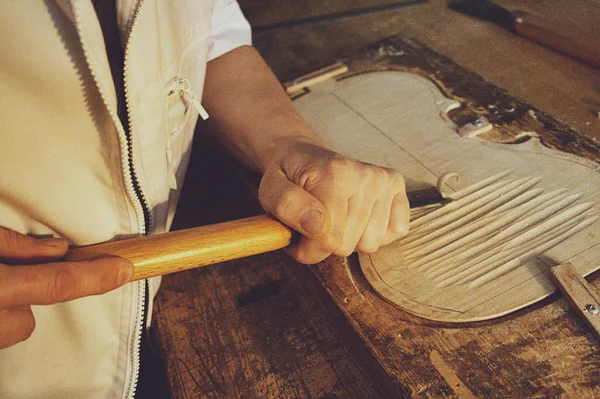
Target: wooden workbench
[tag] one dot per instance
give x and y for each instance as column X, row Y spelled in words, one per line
column 267, row 327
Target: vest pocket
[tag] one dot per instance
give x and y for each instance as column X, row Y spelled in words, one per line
column 183, row 105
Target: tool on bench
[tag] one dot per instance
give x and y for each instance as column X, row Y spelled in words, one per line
column 564, row 38
column 205, row 245
column 582, row 297
column 202, row 246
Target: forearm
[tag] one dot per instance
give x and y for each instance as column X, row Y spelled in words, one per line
column 248, row 108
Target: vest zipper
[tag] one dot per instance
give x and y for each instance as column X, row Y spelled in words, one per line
column 143, row 293
column 134, row 192
column 136, row 197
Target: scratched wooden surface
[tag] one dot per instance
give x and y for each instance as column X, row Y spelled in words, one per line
column 556, row 84
column 266, row 327
column 544, row 352
column 269, row 13
column 258, row 328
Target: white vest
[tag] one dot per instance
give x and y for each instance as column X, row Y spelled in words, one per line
column 64, row 168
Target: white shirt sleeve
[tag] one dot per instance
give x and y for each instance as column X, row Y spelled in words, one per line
column 230, row 29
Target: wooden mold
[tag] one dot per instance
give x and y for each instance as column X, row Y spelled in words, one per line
column 518, row 209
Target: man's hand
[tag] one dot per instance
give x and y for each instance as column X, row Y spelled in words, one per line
column 338, row 204
column 31, row 274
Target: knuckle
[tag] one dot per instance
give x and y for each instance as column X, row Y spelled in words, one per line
column 64, row 285
column 338, row 167
column 397, row 176
column 377, row 178
column 397, row 180
column 282, row 205
column 340, row 162
column 398, row 229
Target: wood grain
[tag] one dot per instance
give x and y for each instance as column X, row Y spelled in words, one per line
column 260, row 328
column 544, row 351
column 559, row 37
column 180, row 250
column 584, row 299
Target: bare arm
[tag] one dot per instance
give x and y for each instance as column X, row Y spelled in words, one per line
column 250, row 109
column 338, row 204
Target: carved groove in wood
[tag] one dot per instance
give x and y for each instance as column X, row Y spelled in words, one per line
column 518, row 209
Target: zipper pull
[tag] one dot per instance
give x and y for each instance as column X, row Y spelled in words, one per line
column 193, row 98
column 201, row 111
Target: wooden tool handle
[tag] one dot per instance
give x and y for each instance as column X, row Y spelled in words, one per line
column 566, row 39
column 186, row 249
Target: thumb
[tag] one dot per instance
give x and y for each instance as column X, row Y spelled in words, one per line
column 293, row 205
column 19, row 248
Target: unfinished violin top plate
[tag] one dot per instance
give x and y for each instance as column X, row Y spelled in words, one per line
column 518, row 209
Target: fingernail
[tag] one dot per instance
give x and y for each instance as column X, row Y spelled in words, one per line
column 311, row 221
column 51, row 242
column 125, row 275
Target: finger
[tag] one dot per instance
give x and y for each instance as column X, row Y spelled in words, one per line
column 399, row 219
column 19, row 248
column 377, row 226
column 292, row 205
column 358, row 218
column 335, row 197
column 49, row 283
column 307, row 251
column 17, row 325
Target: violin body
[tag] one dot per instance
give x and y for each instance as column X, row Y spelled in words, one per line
column 517, row 210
